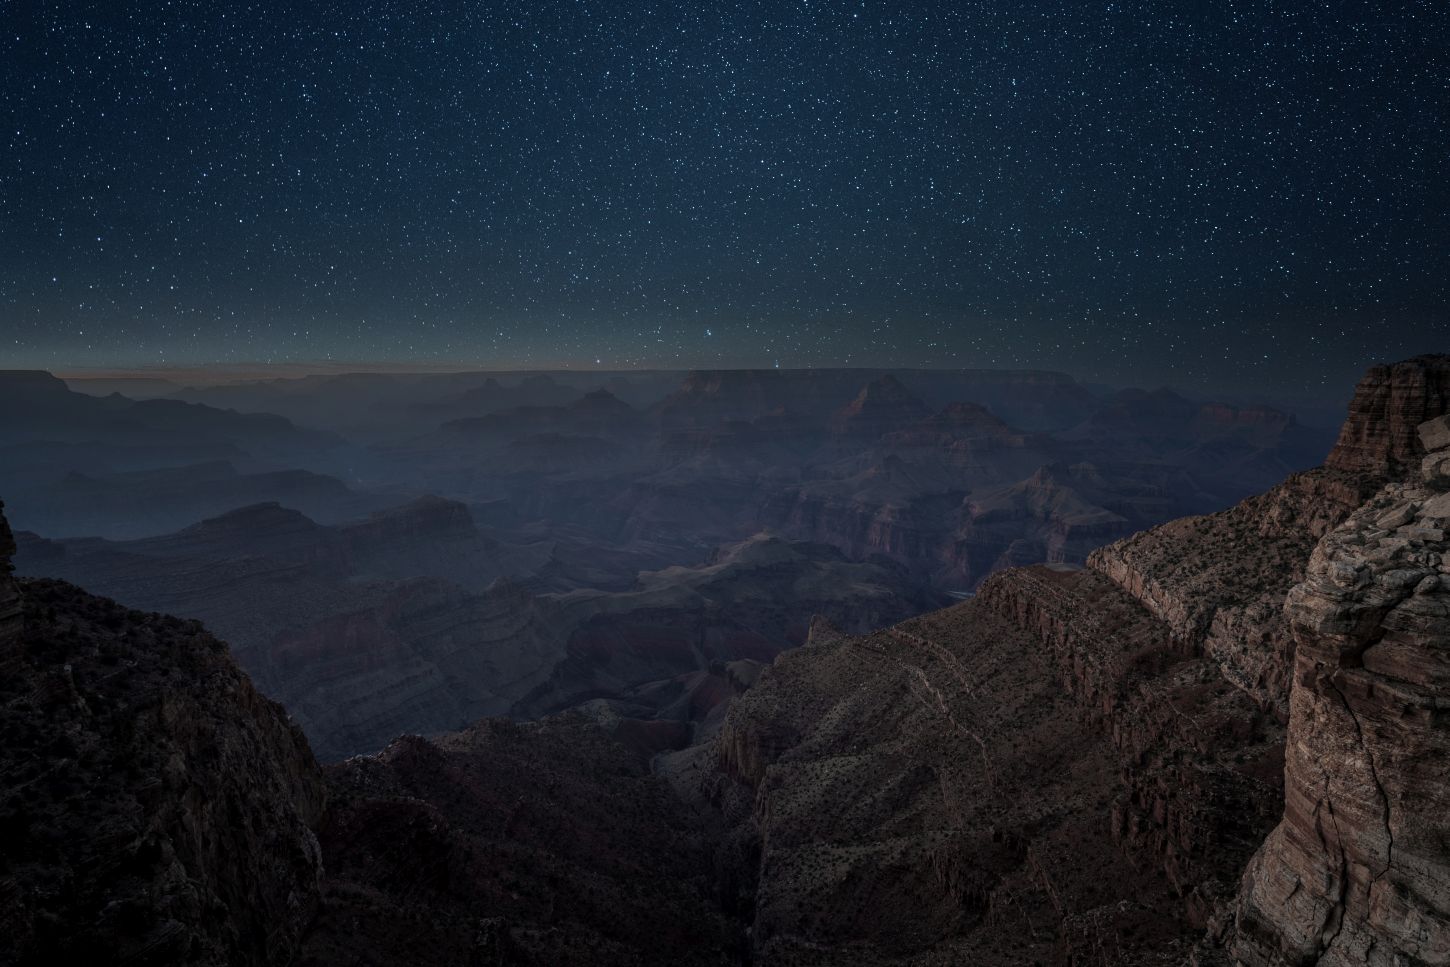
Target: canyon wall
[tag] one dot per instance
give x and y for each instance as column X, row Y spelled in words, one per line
column 1254, row 711
column 1356, row 873
column 1379, row 437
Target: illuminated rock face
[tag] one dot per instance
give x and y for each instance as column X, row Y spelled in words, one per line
column 1390, row 403
column 1356, row 873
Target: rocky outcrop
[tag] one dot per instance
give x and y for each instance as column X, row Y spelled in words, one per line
column 1219, row 581
column 1356, row 873
column 1186, row 673
column 1389, row 405
column 1435, row 468
column 155, row 808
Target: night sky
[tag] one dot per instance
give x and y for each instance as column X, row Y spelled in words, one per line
column 1248, row 194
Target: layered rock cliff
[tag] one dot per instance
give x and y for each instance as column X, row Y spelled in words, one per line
column 1358, row 871
column 1390, row 403
column 1220, row 580
column 1036, row 775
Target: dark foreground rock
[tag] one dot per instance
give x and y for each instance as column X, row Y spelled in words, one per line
column 545, row 844
column 156, row 809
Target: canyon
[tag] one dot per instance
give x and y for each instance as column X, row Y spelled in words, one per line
column 363, row 631
column 393, row 553
column 1217, row 740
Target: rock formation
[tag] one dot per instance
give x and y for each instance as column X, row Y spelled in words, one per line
column 1281, row 662
column 1358, row 871
column 1389, row 405
column 1223, row 740
column 155, row 808
column 1038, row 774
column 883, row 405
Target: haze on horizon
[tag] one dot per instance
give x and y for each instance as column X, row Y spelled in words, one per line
column 1321, row 406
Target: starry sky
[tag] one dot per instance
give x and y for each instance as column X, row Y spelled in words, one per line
column 1245, row 193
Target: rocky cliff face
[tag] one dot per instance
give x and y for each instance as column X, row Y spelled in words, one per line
column 882, row 405
column 1219, row 581
column 155, row 808
column 1177, row 669
column 1356, row 873
column 1389, row 404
